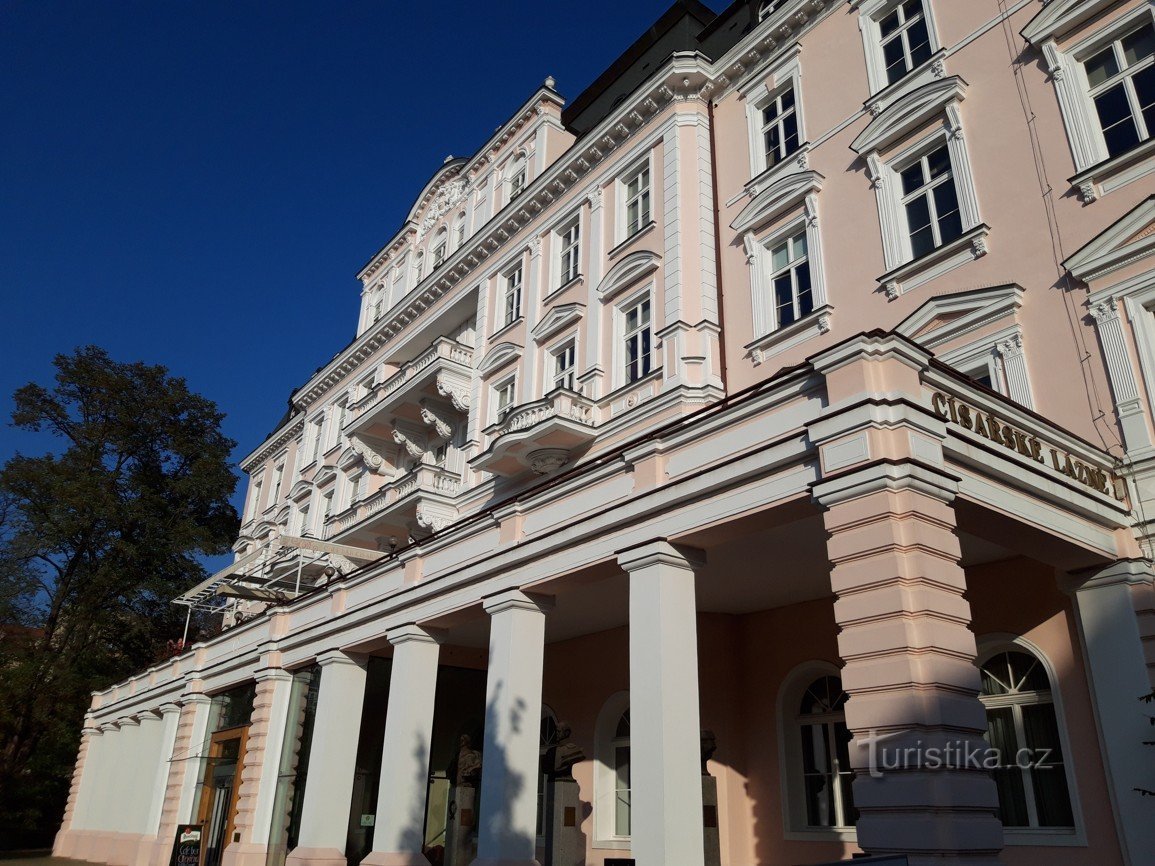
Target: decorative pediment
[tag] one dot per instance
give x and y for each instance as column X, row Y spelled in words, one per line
column 301, row 490
column 442, row 193
column 946, row 317
column 282, row 516
column 776, row 198
column 326, row 475
column 628, row 271
column 556, row 319
column 499, row 356
column 1060, row 16
column 347, row 458
column 1127, row 240
column 908, row 113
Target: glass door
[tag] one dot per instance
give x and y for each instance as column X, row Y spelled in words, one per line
column 218, row 806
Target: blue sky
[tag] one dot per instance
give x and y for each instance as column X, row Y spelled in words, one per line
column 195, row 184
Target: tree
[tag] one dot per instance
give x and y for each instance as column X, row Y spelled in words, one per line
column 96, row 537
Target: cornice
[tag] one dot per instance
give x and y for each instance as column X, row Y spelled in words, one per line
column 279, row 439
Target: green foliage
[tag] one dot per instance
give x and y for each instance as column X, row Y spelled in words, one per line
column 96, row 537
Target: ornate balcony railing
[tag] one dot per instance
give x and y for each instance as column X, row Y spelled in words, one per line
column 449, row 353
column 432, row 480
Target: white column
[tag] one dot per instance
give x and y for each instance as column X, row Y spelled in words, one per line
column 665, row 770
column 146, row 758
column 271, row 758
column 170, row 717
column 404, row 785
column 1117, row 676
column 102, row 812
column 509, row 768
column 592, row 374
column 1015, row 369
column 125, row 774
column 332, row 762
column 88, row 791
column 191, row 761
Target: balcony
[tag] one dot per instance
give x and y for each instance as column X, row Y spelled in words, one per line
column 417, row 503
column 543, row 436
column 442, row 373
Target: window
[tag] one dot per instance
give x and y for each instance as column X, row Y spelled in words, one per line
column 418, row 267
column 563, row 366
column 779, row 127
column 622, row 805
column 569, row 245
column 257, row 497
column 303, row 519
column 503, row 396
column 440, row 249
column 315, row 434
column 930, row 202
column 327, row 506
column 1023, row 727
column 636, row 188
column 1122, row 80
column 790, row 280
column 905, row 39
column 460, row 231
column 342, row 415
column 825, row 755
column 355, row 489
column 638, row 340
column 517, row 177
column 511, row 299
column 278, row 478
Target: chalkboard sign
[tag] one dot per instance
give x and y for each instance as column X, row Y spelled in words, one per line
column 186, row 848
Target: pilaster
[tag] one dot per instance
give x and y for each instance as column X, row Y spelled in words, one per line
column 80, row 793
column 183, row 770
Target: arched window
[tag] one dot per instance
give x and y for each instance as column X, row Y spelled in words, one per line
column 612, row 806
column 825, row 755
column 518, row 176
column 1023, row 727
column 440, row 248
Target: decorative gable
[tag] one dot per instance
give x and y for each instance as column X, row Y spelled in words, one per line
column 946, row 317
column 776, row 198
column 910, row 112
column 1060, row 16
column 1128, row 240
column 628, row 271
column 499, row 356
column 556, row 319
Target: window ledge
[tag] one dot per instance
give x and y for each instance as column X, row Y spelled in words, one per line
column 970, row 245
column 1110, row 174
column 799, row 160
column 930, row 69
column 1071, row 838
column 569, row 284
column 644, row 230
column 611, row 844
column 621, row 390
column 780, row 340
column 500, row 331
column 824, row 834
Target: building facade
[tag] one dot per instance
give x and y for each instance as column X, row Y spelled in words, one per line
column 729, row 463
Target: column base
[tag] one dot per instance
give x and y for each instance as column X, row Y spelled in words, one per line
column 316, row 857
column 123, row 851
column 394, row 858
column 245, row 854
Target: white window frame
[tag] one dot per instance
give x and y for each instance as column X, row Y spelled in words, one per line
column 871, row 13
column 783, row 75
column 604, row 812
column 518, row 167
column 255, row 490
column 510, row 290
column 278, row 480
column 621, row 309
column 328, row 499
column 1080, row 119
column 559, row 274
column 353, row 487
column 991, row 645
column 316, row 439
column 793, row 788
column 636, row 168
column 568, row 344
column 440, row 248
column 459, row 231
column 761, row 287
column 502, row 386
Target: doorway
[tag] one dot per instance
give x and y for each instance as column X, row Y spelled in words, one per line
column 219, row 787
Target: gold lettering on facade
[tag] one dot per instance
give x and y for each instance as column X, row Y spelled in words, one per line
column 990, row 426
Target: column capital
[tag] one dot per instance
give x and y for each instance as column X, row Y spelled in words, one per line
column 195, row 699
column 1127, row 572
column 413, row 633
column 149, row 716
column 109, row 727
column 886, row 475
column 168, row 708
column 337, row 657
column 515, row 599
column 275, row 674
column 661, row 552
column 128, row 722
